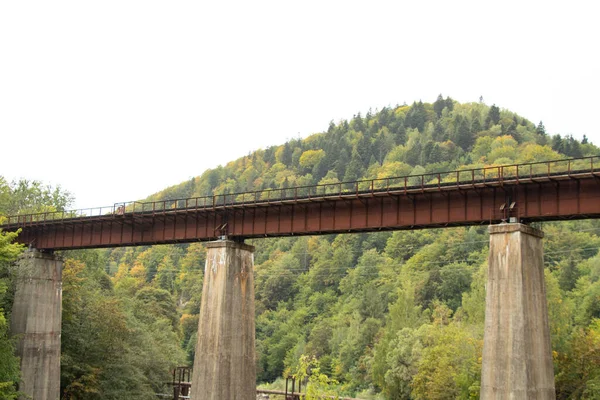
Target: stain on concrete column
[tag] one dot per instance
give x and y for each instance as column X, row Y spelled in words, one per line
column 224, row 365
column 517, row 355
column 36, row 323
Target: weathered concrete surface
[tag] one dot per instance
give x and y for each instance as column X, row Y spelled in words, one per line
column 36, row 322
column 224, row 365
column 517, row 356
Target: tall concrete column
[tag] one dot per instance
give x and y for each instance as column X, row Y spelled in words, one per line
column 224, row 365
column 517, row 355
column 36, row 323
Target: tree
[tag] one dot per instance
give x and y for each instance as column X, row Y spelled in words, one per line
column 342, row 162
column 155, row 303
column 439, row 105
column 9, row 364
column 310, row 158
column 540, row 129
column 31, row 197
column 579, row 370
column 319, row 385
column 276, row 280
column 558, row 144
column 358, row 124
column 493, row 116
column 285, row 156
column 476, row 126
column 403, row 364
column 416, row 117
column 449, row 103
column 355, row 168
column 165, row 274
column 439, row 133
column 464, row 138
column 448, row 367
column 384, row 142
column 584, row 140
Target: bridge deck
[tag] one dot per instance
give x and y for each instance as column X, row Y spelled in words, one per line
column 552, row 190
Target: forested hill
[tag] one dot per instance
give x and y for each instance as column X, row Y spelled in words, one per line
column 389, row 315
column 395, row 141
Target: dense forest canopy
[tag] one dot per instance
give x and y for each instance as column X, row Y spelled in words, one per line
column 394, row 315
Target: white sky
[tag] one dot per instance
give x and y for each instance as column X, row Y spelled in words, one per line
column 115, row 100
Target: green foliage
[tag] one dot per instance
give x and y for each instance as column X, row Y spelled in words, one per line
column 26, row 196
column 319, row 386
column 311, row 158
column 9, row 364
column 579, row 368
column 449, row 364
column 493, row 117
column 114, row 347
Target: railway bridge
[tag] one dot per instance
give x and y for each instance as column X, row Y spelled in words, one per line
column 517, row 360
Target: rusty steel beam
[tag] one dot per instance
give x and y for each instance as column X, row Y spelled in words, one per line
column 526, row 197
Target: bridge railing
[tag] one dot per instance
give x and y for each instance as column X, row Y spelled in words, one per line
column 498, row 174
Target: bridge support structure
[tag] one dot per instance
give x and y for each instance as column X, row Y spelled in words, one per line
column 224, row 364
column 36, row 323
column 517, row 354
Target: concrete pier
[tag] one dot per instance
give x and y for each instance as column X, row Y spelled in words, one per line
column 36, row 323
column 517, row 355
column 224, row 365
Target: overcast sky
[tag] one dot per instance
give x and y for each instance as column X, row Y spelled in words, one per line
column 115, row 100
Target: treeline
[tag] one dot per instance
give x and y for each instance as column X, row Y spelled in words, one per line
column 388, row 315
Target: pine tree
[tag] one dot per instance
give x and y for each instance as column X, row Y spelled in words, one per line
column 341, row 163
column 286, row 156
column 439, row 133
column 439, row 105
column 399, row 132
column 358, row 123
column 269, row 155
column 512, row 131
column 413, row 156
column 331, row 127
column 355, row 168
column 493, row 116
column 384, row 117
column 574, row 147
column 449, row 103
column 464, row 138
column 364, row 147
column 476, row 126
column 436, row 154
column 416, row 117
column 584, row 140
column 558, row 144
column 321, row 168
column 540, row 130
column 426, row 157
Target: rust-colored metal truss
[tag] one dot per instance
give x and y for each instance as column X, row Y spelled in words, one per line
column 543, row 191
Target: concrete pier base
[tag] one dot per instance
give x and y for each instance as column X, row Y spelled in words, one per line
column 517, row 355
column 36, row 323
column 224, row 365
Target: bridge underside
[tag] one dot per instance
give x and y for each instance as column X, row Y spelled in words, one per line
column 538, row 199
